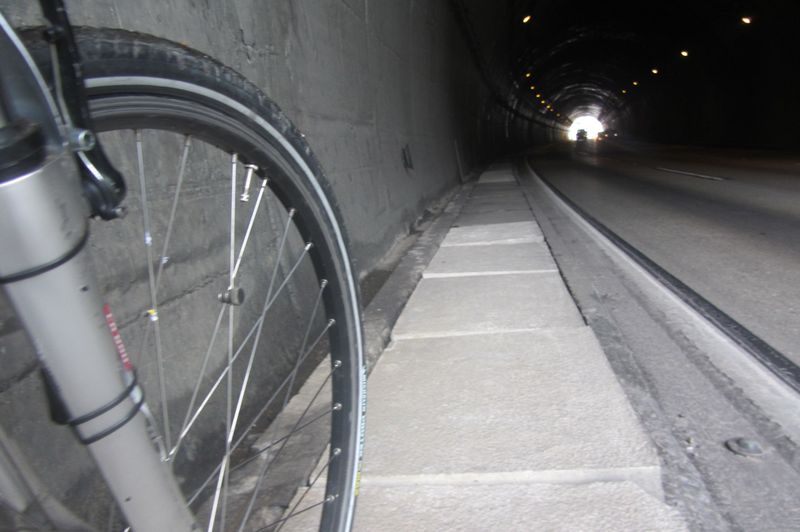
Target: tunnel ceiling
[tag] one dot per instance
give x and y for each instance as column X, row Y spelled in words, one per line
column 597, row 57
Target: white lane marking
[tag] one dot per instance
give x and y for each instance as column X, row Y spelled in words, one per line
column 532, row 239
column 701, row 176
column 427, row 275
column 453, row 334
column 640, row 474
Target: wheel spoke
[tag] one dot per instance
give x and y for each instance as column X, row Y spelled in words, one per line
column 234, row 396
column 307, row 508
column 263, row 410
column 294, row 511
column 249, row 420
column 250, row 224
column 153, row 311
column 307, row 333
column 222, row 481
column 283, row 438
column 265, row 467
column 164, row 257
column 190, row 417
column 231, row 423
column 187, row 142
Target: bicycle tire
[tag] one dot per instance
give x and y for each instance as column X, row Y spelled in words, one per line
column 137, row 82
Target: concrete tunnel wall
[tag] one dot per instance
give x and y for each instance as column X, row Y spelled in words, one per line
column 361, row 79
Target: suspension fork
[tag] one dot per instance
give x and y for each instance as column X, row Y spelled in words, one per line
column 46, row 273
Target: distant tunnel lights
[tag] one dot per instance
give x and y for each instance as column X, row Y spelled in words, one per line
column 526, row 19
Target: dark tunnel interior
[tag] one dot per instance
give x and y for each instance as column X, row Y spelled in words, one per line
column 715, row 73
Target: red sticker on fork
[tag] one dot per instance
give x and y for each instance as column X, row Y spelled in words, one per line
column 112, row 326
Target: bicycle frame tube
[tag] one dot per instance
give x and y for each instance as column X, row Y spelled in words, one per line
column 46, row 273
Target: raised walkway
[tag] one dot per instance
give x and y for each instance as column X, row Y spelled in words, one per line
column 494, row 407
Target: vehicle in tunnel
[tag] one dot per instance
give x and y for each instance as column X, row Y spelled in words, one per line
column 588, row 124
column 608, row 134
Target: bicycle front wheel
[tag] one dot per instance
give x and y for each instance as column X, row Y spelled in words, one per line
column 231, row 282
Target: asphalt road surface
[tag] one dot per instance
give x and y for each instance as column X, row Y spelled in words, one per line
column 725, row 223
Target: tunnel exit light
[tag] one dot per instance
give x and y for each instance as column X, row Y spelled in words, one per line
column 589, row 123
column 526, row 19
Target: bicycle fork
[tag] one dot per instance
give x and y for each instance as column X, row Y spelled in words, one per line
column 46, row 273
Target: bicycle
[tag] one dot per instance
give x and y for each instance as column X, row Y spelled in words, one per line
column 218, row 168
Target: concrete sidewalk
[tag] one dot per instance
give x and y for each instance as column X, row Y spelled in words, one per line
column 494, row 408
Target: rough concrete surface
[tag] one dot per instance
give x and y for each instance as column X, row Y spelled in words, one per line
column 484, row 304
column 514, row 507
column 496, row 409
column 524, row 401
column 506, row 506
column 480, row 205
column 464, row 260
column 499, row 217
column 501, row 233
column 496, row 176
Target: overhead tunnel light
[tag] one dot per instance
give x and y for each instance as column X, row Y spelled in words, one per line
column 526, row 19
column 747, row 20
column 624, row 91
column 538, row 95
column 654, row 71
column 527, row 74
column 635, row 83
column 684, row 53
